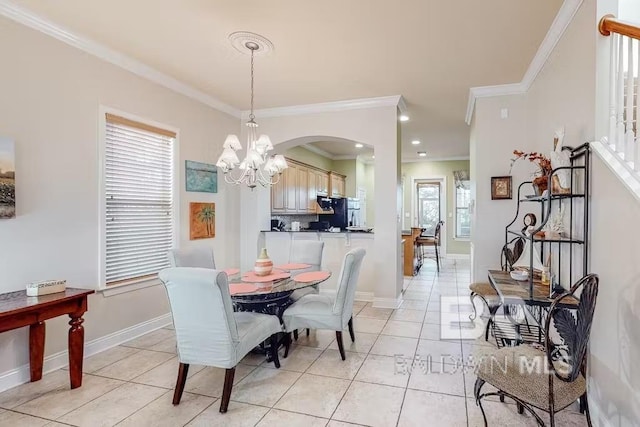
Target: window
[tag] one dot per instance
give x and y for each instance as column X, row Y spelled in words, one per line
column 428, row 206
column 463, row 200
column 138, row 191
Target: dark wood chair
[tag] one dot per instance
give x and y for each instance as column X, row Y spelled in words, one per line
column 424, row 241
column 552, row 379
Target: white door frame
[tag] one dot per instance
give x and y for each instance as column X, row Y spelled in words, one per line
column 443, row 207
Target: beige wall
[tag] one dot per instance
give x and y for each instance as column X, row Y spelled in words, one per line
column 348, row 169
column 566, row 93
column 426, row 170
column 51, row 94
column 309, row 157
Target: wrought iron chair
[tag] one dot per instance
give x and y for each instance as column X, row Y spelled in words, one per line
column 550, row 380
column 424, row 241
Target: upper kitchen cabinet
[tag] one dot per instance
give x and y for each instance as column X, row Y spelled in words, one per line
column 337, row 184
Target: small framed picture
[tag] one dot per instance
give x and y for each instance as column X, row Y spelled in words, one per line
column 500, row 187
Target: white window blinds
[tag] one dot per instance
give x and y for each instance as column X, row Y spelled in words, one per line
column 139, row 199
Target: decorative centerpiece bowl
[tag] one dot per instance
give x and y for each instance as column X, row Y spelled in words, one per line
column 264, row 265
column 519, row 275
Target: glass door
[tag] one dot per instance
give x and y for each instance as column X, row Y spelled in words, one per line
column 428, row 206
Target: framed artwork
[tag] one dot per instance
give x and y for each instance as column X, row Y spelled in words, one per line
column 500, row 187
column 7, row 179
column 202, row 220
column 201, row 177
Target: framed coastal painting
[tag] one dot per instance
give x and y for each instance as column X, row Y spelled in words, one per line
column 202, row 220
column 500, row 187
column 7, row 179
column 201, row 177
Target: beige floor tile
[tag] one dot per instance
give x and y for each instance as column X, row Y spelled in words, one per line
column 237, row 415
column 368, row 325
column 330, row 364
column 412, row 304
column 11, row 419
column 105, row 358
column 500, row 414
column 433, row 317
column 334, row 423
column 358, row 305
column 371, row 404
column 438, row 378
column 314, row 395
column 375, row 313
column 407, row 315
column 147, row 341
column 254, row 359
column 387, row 345
column 447, row 351
column 319, row 339
column 114, row 406
column 56, row 380
column 469, row 384
column 398, row 328
column 134, row 365
column 419, row 406
column 299, row 359
column 416, row 294
column 264, row 386
column 430, row 331
column 162, row 413
column 167, row 346
column 210, row 381
column 362, row 344
column 60, row 401
column 382, row 370
column 56, row 424
column 165, row 374
column 276, row 418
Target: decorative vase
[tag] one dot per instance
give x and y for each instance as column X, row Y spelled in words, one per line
column 263, row 265
column 540, row 184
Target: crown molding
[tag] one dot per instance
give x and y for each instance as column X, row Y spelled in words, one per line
column 317, row 150
column 324, row 107
column 559, row 25
column 26, row 17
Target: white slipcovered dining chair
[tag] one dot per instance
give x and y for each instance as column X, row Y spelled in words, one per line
column 327, row 312
column 306, row 252
column 208, row 332
column 194, row 257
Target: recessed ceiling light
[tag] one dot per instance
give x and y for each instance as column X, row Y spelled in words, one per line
column 373, row 157
column 404, row 118
column 358, row 145
column 422, row 154
column 415, row 142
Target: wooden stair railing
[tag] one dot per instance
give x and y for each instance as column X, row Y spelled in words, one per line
column 609, row 24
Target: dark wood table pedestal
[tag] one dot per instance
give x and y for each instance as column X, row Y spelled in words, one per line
column 18, row 310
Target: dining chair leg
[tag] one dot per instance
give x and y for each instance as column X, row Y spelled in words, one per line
column 274, row 350
column 351, row 333
column 586, row 409
column 340, row 344
column 226, row 391
column 437, row 259
column 295, row 334
column 183, row 370
column 287, row 344
column 308, row 331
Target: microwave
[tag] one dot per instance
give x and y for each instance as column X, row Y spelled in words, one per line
column 325, row 203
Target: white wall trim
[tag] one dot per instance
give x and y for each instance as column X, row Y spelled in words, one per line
column 562, row 20
column 393, row 303
column 21, row 375
column 26, row 17
column 360, row 296
column 457, row 256
column 621, row 169
column 324, row 107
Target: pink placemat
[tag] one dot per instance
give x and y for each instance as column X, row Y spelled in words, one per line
column 275, row 275
column 242, row 288
column 231, row 271
column 312, row 276
column 294, row 266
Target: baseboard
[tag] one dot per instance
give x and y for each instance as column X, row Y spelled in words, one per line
column 21, row 375
column 457, row 256
column 387, row 302
column 360, row 296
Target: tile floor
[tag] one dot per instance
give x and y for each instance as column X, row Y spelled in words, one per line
column 131, row 385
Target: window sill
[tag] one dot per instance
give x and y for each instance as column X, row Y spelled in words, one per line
column 134, row 285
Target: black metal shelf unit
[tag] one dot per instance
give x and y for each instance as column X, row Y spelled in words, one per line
column 576, row 240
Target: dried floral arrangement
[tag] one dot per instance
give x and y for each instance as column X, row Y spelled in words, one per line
column 543, row 163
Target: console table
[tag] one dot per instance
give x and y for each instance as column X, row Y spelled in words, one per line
column 18, row 310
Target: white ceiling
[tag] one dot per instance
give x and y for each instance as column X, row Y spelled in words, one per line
column 429, row 51
column 340, row 149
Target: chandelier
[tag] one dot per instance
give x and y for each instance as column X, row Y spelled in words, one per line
column 258, row 167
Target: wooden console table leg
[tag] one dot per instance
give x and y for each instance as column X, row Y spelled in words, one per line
column 76, row 349
column 36, row 350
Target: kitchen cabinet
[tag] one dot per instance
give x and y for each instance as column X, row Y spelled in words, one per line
column 303, row 189
column 338, row 187
column 291, row 189
column 322, row 183
column 278, row 195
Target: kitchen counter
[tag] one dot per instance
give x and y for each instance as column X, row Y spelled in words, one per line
column 318, row 231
